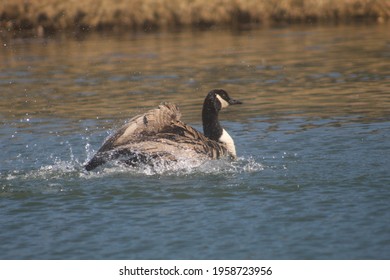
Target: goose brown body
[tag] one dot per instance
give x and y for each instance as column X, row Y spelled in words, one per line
column 159, row 133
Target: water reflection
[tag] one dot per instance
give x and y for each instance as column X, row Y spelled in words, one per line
column 302, row 71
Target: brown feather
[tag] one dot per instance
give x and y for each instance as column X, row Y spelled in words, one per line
column 158, row 133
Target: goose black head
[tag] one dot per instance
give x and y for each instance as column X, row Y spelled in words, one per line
column 219, row 99
column 215, row 100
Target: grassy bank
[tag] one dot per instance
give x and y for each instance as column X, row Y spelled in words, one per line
column 41, row 17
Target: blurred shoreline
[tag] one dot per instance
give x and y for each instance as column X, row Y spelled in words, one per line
column 38, row 18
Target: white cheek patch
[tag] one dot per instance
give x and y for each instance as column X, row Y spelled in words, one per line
column 228, row 141
column 223, row 102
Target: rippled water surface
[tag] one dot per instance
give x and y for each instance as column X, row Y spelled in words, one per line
column 313, row 139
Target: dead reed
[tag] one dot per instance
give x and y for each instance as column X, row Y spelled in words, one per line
column 40, row 17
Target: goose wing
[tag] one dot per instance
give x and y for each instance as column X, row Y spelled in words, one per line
column 150, row 123
column 183, row 137
column 140, row 126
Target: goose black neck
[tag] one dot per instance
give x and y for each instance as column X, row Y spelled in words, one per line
column 211, row 126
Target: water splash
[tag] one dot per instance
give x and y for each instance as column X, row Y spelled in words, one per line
column 182, row 167
column 67, row 169
column 73, row 168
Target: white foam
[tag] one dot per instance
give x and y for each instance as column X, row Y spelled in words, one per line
column 181, row 167
column 73, row 167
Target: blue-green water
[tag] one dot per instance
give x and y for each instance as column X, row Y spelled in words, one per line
column 313, row 139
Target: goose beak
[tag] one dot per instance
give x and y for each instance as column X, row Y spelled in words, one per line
column 234, row 102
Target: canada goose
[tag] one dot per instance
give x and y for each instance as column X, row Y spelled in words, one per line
column 159, row 133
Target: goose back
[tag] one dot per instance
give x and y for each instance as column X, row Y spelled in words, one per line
column 159, row 133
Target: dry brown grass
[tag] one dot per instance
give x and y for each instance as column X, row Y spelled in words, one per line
column 40, row 17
